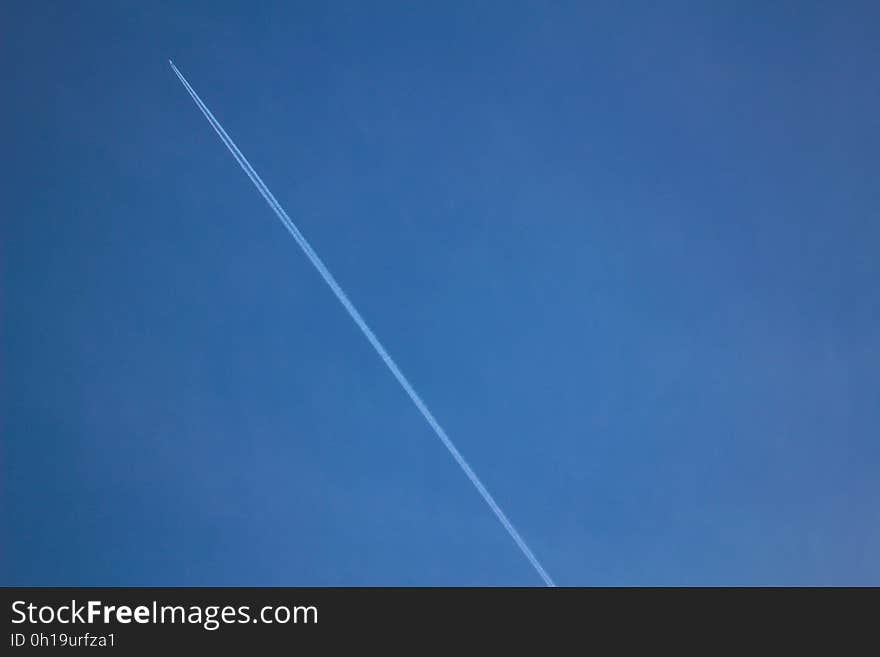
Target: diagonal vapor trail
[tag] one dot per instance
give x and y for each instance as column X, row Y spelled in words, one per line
column 365, row 329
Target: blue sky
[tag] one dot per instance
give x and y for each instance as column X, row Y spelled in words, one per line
column 628, row 256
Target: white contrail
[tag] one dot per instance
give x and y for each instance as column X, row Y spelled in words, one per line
column 367, row 331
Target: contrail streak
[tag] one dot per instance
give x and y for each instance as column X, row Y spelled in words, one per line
column 365, row 329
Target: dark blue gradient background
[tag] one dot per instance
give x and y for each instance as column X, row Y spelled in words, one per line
column 627, row 254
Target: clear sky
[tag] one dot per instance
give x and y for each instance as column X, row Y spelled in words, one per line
column 627, row 254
